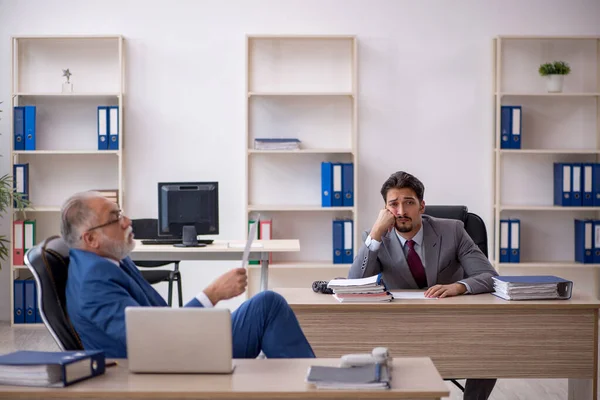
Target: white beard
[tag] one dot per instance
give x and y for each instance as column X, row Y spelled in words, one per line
column 119, row 249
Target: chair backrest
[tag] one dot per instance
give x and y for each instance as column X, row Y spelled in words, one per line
column 147, row 228
column 49, row 264
column 474, row 225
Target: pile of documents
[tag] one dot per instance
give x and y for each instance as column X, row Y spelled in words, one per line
column 538, row 287
column 276, row 144
column 371, row 290
column 370, row 376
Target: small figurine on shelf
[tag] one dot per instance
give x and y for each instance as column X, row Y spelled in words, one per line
column 67, row 87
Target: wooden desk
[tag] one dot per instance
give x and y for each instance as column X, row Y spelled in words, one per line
column 219, row 250
column 479, row 336
column 412, row 378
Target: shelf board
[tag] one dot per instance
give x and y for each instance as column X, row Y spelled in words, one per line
column 302, row 151
column 66, row 152
column 549, row 151
column 581, row 94
column 534, row 37
column 278, row 37
column 75, row 94
column 258, row 207
column 549, row 264
column 20, row 267
column 91, row 37
column 35, row 325
column 545, row 208
column 251, row 94
column 42, row 209
column 303, row 264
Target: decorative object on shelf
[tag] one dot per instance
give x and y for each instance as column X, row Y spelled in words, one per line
column 67, row 87
column 555, row 74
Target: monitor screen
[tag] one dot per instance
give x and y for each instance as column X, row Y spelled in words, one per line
column 188, row 204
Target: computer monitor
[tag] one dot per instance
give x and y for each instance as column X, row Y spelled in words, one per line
column 188, row 209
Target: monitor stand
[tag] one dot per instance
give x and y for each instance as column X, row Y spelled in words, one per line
column 189, row 237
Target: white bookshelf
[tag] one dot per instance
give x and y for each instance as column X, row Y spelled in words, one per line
column 305, row 87
column 66, row 159
column 556, row 127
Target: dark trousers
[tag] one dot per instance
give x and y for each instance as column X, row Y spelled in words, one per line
column 478, row 389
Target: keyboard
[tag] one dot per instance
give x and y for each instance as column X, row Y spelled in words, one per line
column 173, row 241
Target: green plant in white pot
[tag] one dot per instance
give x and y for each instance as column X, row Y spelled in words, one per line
column 555, row 74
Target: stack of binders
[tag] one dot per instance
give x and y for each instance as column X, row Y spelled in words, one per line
column 510, row 127
column 577, row 184
column 337, row 184
column 108, row 127
column 24, row 121
column 343, row 241
column 587, row 241
column 369, row 290
column 541, row 287
column 510, row 240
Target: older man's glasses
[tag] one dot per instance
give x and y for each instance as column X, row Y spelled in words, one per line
column 119, row 216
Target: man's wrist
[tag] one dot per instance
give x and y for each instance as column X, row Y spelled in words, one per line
column 211, row 293
column 376, row 234
column 462, row 288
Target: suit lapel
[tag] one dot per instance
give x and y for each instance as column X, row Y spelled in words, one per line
column 431, row 247
column 392, row 243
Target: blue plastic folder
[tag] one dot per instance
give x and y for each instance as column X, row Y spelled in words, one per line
column 50, row 369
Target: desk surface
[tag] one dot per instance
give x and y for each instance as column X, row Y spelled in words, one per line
column 305, row 298
column 414, row 378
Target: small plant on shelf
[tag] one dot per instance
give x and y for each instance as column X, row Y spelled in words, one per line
column 555, row 73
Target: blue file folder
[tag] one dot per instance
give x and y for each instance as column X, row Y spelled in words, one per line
column 515, row 241
column 326, row 184
column 30, row 301
column 596, row 243
column 596, row 184
column 587, row 184
column 516, row 127
column 576, row 181
column 584, row 241
column 19, row 128
column 21, row 180
column 505, row 127
column 504, row 240
column 19, row 301
column 348, row 256
column 30, row 127
column 338, row 241
column 348, row 184
column 562, row 184
column 102, row 126
column 113, row 128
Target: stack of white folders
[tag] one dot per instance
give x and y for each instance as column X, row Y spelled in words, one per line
column 365, row 377
column 540, row 287
column 371, row 290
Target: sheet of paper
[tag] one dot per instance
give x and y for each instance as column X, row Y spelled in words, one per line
column 411, row 296
column 251, row 237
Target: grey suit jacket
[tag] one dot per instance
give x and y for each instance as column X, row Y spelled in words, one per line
column 450, row 256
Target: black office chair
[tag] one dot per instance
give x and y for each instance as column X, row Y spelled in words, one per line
column 474, row 226
column 49, row 264
column 147, row 228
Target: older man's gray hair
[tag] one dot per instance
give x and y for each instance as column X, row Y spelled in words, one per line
column 76, row 216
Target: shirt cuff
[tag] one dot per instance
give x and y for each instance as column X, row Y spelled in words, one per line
column 204, row 300
column 372, row 244
column 467, row 286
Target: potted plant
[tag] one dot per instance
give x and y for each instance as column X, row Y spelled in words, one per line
column 555, row 74
column 7, row 196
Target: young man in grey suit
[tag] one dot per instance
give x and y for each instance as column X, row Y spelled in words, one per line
column 416, row 251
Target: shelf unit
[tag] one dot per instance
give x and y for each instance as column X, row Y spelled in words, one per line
column 66, row 159
column 556, row 127
column 305, row 87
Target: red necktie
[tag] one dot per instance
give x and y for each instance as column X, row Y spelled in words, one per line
column 416, row 265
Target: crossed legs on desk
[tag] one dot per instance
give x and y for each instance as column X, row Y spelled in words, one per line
column 478, row 389
column 266, row 322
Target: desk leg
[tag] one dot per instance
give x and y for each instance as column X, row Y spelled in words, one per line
column 264, row 271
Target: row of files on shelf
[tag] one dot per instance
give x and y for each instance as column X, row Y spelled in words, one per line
column 23, row 239
column 587, row 241
column 108, row 128
column 577, row 184
column 343, row 241
column 24, row 120
column 510, row 127
column 337, row 184
column 510, row 240
column 25, row 303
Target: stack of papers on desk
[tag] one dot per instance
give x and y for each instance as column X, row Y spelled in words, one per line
column 371, row 289
column 539, row 287
column 372, row 376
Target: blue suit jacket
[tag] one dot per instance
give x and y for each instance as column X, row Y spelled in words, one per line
column 97, row 293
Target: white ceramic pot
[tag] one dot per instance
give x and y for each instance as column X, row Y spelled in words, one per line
column 554, row 83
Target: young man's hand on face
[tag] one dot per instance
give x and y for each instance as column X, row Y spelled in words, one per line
column 384, row 223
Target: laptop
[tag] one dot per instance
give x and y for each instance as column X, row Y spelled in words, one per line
column 179, row 340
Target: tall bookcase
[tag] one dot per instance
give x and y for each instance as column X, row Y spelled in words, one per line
column 556, row 127
column 66, row 158
column 302, row 87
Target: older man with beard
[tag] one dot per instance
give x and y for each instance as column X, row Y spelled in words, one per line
column 103, row 281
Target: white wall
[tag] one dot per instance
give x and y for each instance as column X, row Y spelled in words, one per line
column 425, row 104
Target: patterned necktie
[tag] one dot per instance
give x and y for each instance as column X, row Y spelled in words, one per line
column 416, row 265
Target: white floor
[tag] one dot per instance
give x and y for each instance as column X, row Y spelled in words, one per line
column 38, row 338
